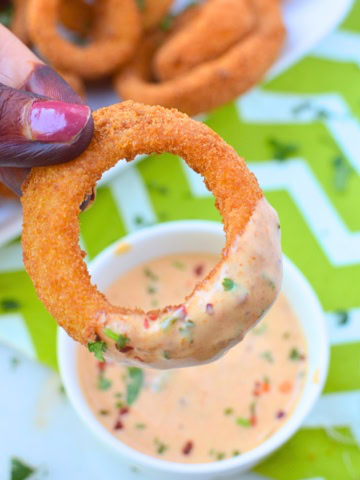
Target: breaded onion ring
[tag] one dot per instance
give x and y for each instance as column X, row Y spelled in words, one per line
column 154, row 11
column 218, row 313
column 19, row 20
column 118, row 27
column 212, row 83
column 217, row 26
column 76, row 15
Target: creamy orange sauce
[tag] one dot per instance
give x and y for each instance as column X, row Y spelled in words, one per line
column 237, row 294
column 205, row 413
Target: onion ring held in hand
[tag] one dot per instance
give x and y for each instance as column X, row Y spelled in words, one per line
column 217, row 314
column 211, row 83
column 117, row 24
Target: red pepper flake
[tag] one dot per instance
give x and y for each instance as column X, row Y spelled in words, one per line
column 152, row 317
column 126, row 349
column 280, row 414
column 139, row 358
column 118, row 425
column 210, row 309
column 146, row 323
column 101, row 366
column 187, row 447
column 199, row 270
column 124, row 410
column 253, row 420
column 258, row 389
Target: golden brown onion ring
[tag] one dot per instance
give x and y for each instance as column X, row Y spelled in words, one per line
column 215, row 82
column 217, row 26
column 251, row 257
column 109, row 51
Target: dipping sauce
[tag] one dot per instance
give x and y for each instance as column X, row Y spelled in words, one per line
column 205, row 413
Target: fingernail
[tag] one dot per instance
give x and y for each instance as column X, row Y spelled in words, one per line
column 57, row 122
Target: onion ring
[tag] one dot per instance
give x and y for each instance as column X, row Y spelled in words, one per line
column 212, row 83
column 5, row 192
column 220, row 310
column 19, row 21
column 115, row 41
column 76, row 15
column 229, row 21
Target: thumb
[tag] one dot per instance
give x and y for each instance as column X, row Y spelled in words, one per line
column 37, row 131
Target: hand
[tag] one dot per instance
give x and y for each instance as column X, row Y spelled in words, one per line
column 42, row 120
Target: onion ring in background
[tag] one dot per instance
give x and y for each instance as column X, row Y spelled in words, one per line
column 217, row 26
column 217, row 314
column 77, row 15
column 18, row 24
column 215, row 82
column 114, row 44
column 153, row 11
column 5, row 192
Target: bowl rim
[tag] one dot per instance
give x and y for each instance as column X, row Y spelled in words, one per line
column 306, row 402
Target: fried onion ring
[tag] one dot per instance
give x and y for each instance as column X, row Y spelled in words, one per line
column 19, row 20
column 217, row 314
column 118, row 27
column 227, row 21
column 76, row 15
column 212, row 83
column 5, row 192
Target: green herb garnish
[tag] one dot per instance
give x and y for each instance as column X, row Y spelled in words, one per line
column 282, row 151
column 160, row 446
column 140, row 426
column 150, row 274
column 268, row 356
column 120, row 339
column 228, row 284
column 186, row 330
column 295, row 354
column 220, row 456
column 236, row 453
column 228, row 411
column 243, row 422
column 151, row 290
column 135, row 383
column 168, row 323
column 19, row 470
column 166, row 354
column 103, row 383
column 98, row 349
column 104, row 412
column 179, row 265
column 260, row 330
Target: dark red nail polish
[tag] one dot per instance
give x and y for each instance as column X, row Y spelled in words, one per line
column 57, row 122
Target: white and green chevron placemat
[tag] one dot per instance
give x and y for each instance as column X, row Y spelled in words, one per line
column 300, row 134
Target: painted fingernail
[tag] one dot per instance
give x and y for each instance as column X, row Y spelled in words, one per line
column 57, row 122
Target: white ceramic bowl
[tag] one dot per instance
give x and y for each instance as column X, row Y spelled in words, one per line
column 199, row 236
